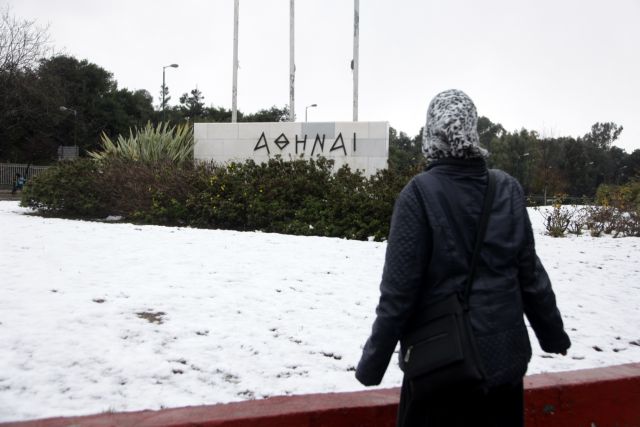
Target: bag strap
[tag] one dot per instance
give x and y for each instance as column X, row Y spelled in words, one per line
column 482, row 228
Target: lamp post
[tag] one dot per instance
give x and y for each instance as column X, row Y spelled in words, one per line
column 75, row 123
column 164, row 86
column 355, row 64
column 306, row 108
column 292, row 64
column 234, row 88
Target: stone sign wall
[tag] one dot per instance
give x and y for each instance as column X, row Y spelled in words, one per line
column 361, row 145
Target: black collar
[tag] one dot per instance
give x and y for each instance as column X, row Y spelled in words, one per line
column 472, row 163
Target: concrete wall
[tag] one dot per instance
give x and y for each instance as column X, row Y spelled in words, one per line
column 593, row 397
column 361, row 145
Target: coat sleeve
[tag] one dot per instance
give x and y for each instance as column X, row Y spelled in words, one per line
column 538, row 298
column 405, row 261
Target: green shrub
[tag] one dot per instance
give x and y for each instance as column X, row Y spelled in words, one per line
column 337, row 209
column 220, row 197
column 68, row 189
column 164, row 210
column 618, row 212
column 281, row 188
column 267, row 197
column 558, row 218
column 150, row 193
column 160, row 144
column 154, row 193
column 624, row 197
column 578, row 222
column 294, row 197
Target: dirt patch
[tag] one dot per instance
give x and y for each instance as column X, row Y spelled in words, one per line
column 152, row 317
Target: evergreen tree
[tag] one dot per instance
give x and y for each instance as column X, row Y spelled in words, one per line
column 193, row 104
column 164, row 97
column 603, row 135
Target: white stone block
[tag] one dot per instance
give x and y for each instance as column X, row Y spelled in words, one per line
column 253, row 130
column 372, row 148
column 238, row 148
column 318, row 128
column 338, row 162
column 199, row 131
column 220, row 160
column 237, row 142
column 376, row 163
column 337, row 147
column 222, row 130
column 318, row 147
column 290, row 129
column 348, row 128
column 359, row 163
column 261, row 159
column 200, row 150
column 198, row 147
column 208, row 148
column 362, row 147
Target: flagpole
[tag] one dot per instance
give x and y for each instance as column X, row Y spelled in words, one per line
column 234, row 93
column 356, row 48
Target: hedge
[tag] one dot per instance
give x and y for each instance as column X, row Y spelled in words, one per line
column 303, row 197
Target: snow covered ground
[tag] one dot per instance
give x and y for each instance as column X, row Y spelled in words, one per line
column 97, row 316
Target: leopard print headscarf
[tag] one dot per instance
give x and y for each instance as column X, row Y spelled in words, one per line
column 452, row 128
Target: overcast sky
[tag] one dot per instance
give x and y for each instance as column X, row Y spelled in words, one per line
column 548, row 65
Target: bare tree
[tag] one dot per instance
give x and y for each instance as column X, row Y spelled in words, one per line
column 22, row 42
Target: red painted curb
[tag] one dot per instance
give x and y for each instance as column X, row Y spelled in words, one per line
column 591, row 397
column 602, row 397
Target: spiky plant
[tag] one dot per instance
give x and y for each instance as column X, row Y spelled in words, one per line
column 149, row 144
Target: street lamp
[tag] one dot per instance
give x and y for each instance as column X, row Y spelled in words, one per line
column 163, row 86
column 75, row 123
column 306, row 108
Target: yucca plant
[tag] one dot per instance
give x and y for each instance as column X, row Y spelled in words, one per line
column 149, row 144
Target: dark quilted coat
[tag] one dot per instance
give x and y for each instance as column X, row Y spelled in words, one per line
column 429, row 249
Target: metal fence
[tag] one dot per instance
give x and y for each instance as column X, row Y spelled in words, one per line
column 8, row 172
column 540, row 200
column 68, row 152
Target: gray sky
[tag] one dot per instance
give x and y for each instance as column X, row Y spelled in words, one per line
column 548, row 65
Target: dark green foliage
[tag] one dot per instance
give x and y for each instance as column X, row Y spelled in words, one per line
column 165, row 209
column 154, row 193
column 488, row 132
column 617, row 213
column 32, row 125
column 273, row 114
column 565, row 165
column 192, row 108
column 70, row 189
column 622, row 197
column 297, row 197
column 514, row 153
column 405, row 153
column 294, row 197
column 630, row 167
column 602, row 135
column 558, row 218
column 192, row 104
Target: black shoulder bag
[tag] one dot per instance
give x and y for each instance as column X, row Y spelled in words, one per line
column 441, row 353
